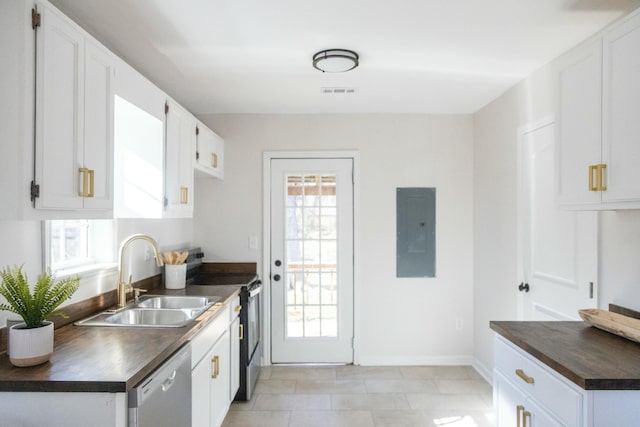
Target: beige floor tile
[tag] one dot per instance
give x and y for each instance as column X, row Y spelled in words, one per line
column 406, row 418
column 242, row 406
column 369, row 401
column 303, row 372
column 275, row 386
column 400, row 386
column 462, row 386
column 331, row 418
column 459, row 419
column 436, row 372
column 257, row 419
column 437, row 401
column 288, row 402
column 329, row 387
column 352, row 372
column 265, row 373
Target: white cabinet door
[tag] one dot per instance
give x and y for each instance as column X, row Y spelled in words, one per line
column 200, row 393
column 578, row 119
column 209, row 153
column 59, row 103
column 99, row 70
column 219, row 391
column 179, row 153
column 621, row 124
column 234, row 357
column 74, row 117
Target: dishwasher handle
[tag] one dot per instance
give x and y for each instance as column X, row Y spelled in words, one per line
column 166, row 384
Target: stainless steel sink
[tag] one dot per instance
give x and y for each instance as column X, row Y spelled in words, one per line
column 153, row 312
column 175, row 302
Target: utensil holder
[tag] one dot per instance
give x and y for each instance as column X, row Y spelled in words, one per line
column 175, row 276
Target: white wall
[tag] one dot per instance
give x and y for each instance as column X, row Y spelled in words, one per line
column 401, row 320
column 495, row 215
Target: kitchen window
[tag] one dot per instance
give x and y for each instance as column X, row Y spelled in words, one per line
column 74, row 246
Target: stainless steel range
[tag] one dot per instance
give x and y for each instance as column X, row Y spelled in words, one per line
column 250, row 316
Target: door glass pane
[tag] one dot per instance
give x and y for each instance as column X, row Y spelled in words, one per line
column 311, row 256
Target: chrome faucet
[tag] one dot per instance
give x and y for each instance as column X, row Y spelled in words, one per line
column 122, row 287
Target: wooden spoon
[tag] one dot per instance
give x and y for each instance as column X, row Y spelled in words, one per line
column 183, row 256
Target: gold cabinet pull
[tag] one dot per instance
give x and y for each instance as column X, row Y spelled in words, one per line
column 592, row 170
column 519, row 410
column 91, row 182
column 238, row 308
column 601, row 169
column 216, row 367
column 84, row 174
column 184, row 195
column 526, row 378
column 525, row 415
column 241, row 328
column 214, row 160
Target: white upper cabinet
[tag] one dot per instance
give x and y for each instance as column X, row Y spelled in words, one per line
column 209, row 153
column 597, row 152
column 74, row 117
column 578, row 118
column 180, row 139
column 621, row 113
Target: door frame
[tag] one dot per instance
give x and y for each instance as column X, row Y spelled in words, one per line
column 266, row 239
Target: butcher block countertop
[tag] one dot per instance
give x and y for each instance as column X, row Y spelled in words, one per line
column 591, row 358
column 109, row 359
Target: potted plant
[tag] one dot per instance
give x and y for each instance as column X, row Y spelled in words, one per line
column 31, row 342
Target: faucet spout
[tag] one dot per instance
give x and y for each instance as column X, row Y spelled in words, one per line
column 123, row 287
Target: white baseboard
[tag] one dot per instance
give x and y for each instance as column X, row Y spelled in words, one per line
column 485, row 372
column 415, row 361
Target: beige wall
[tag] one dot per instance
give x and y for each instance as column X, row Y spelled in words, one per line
column 401, row 320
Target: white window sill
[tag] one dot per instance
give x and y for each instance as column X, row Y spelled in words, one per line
column 87, row 271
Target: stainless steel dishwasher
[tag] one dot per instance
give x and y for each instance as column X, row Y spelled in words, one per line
column 164, row 397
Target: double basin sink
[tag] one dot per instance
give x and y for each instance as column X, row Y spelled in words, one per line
column 154, row 311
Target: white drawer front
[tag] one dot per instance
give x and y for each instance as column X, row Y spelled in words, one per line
column 206, row 338
column 548, row 388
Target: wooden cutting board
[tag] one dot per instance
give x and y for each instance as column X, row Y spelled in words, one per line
column 624, row 326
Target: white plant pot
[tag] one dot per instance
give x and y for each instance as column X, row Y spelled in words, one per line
column 30, row 347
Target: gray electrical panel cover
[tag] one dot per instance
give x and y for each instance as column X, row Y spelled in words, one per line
column 416, row 232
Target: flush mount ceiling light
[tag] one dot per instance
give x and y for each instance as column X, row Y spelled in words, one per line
column 335, row 60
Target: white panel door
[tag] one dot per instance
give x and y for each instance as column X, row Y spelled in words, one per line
column 312, row 260
column 559, row 247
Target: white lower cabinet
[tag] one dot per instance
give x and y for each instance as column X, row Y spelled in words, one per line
column 236, row 335
column 213, row 361
column 526, row 392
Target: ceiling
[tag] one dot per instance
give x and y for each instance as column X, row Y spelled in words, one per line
column 416, row 56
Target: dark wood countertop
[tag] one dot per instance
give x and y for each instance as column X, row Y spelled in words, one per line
column 589, row 357
column 109, row 359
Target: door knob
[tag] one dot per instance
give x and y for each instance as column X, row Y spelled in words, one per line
column 276, row 277
column 523, row 287
column 278, row 263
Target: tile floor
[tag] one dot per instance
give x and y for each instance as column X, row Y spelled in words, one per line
column 355, row 396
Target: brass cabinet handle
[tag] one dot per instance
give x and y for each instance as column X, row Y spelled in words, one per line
column 216, row 367
column 184, row 195
column 600, row 185
column 238, row 308
column 214, row 160
column 525, row 415
column 592, row 169
column 84, row 172
column 241, row 331
column 526, row 378
column 519, row 410
column 91, row 182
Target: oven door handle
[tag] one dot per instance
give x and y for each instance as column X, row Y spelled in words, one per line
column 255, row 291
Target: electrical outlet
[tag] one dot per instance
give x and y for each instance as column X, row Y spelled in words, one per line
column 147, row 254
column 253, row 242
column 459, row 323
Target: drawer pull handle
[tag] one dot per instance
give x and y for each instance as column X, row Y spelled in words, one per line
column 519, row 410
column 526, row 378
column 525, row 415
column 238, row 308
column 216, row 367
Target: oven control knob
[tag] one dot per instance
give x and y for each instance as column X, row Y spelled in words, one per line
column 278, row 263
column 276, row 277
